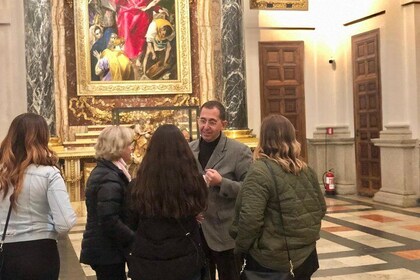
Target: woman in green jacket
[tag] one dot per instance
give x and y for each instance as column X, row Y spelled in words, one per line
column 280, row 206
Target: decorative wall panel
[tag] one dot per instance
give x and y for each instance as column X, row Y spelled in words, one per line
column 39, row 60
column 233, row 59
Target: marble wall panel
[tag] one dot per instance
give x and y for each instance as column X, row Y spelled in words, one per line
column 39, row 60
column 60, row 77
column 216, row 26
column 195, row 67
column 210, row 59
column 204, row 17
column 233, row 58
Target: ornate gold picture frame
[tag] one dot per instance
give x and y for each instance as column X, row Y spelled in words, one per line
column 279, row 4
column 132, row 47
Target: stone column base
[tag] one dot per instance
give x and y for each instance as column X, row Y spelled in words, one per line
column 346, row 189
column 399, row 166
column 401, row 200
column 334, row 152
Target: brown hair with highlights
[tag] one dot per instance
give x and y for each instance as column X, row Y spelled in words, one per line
column 278, row 142
column 26, row 143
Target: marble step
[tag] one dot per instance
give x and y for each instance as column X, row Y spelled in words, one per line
column 79, row 143
column 88, row 135
column 99, row 127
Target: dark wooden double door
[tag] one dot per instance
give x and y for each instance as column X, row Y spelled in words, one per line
column 367, row 110
column 282, row 84
column 282, row 92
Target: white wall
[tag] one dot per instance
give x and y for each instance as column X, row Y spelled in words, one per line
column 328, row 91
column 412, row 67
column 12, row 57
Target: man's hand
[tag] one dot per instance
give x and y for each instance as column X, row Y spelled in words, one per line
column 200, row 218
column 213, row 178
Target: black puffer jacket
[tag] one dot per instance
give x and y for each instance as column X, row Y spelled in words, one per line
column 106, row 236
column 166, row 249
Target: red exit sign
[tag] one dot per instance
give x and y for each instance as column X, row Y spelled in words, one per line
column 330, row 130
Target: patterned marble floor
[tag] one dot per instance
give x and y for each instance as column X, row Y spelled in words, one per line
column 360, row 239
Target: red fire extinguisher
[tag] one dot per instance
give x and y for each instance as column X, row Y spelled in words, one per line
column 328, row 180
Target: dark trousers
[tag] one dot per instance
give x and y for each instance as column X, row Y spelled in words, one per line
column 303, row 272
column 227, row 263
column 31, row 260
column 110, row 271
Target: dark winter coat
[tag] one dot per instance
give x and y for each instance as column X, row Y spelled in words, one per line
column 106, row 236
column 166, row 249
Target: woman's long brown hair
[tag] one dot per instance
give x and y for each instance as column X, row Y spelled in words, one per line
column 278, row 142
column 168, row 183
column 26, row 143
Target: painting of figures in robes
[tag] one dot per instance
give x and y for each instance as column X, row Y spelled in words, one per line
column 131, row 47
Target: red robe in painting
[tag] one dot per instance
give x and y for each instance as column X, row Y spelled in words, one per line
column 132, row 25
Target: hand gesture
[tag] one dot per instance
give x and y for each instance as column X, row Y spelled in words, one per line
column 212, row 177
column 200, row 218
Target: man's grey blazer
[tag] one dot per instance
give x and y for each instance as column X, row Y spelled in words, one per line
column 232, row 160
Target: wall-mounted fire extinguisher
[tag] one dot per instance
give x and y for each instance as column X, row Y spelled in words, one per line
column 328, row 180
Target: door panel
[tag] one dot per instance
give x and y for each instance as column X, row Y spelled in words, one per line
column 367, row 110
column 281, row 84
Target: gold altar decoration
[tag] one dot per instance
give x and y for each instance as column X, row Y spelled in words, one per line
column 145, row 120
column 180, row 100
column 54, row 142
column 279, row 4
column 71, row 168
column 87, row 169
column 142, row 135
column 99, row 112
column 156, row 117
column 89, row 109
column 238, row 133
column 244, row 136
column 178, row 79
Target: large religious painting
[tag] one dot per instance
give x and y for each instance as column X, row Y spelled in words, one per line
column 132, row 47
column 279, row 4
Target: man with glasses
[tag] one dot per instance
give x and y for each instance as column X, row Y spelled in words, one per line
column 224, row 163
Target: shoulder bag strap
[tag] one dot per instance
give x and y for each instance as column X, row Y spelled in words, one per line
column 5, row 227
column 281, row 217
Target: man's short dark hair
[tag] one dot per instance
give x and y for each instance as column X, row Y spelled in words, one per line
column 215, row 104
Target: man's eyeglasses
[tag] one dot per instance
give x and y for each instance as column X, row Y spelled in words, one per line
column 203, row 121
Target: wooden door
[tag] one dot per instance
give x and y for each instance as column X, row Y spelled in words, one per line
column 282, row 84
column 367, row 110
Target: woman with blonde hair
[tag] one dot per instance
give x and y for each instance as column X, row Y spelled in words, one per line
column 32, row 188
column 279, row 208
column 106, row 236
column 168, row 194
